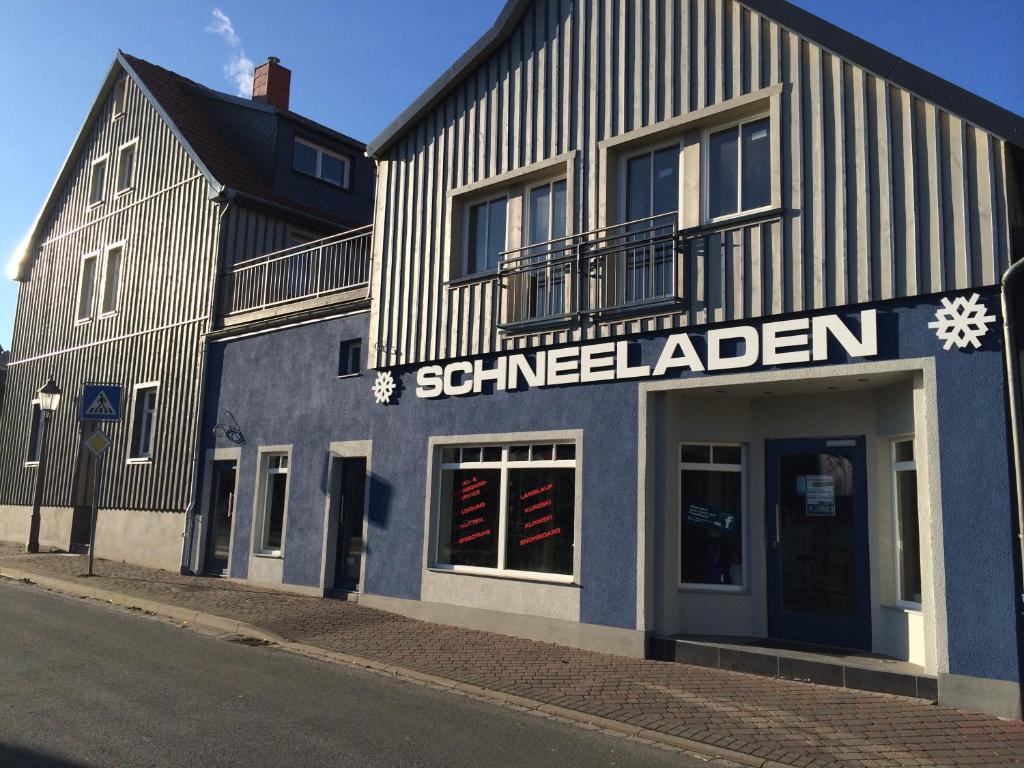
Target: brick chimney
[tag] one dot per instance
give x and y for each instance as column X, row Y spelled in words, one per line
column 272, row 83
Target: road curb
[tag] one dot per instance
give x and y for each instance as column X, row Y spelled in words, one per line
column 235, row 627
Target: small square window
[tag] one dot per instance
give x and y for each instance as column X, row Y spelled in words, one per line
column 471, row 454
column 565, row 452
column 543, row 453
column 350, row 357
column 450, row 456
column 904, row 450
column 695, row 454
column 492, row 453
column 519, row 453
column 726, row 454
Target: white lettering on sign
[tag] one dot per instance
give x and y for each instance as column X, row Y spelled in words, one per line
column 783, row 342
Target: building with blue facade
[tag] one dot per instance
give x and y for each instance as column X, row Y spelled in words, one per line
column 689, row 333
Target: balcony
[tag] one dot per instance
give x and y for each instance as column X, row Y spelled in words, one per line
column 327, row 270
column 619, row 269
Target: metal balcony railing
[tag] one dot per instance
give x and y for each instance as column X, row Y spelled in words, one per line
column 337, row 263
column 615, row 268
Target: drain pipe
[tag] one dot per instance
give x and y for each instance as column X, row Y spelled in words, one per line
column 188, row 534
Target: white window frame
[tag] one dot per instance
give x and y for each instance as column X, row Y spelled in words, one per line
column 676, row 142
column 33, row 406
column 104, row 161
column 487, row 199
column 148, row 458
column 740, row 468
column 81, row 319
column 260, row 519
column 504, row 465
column 321, row 151
column 132, row 145
column 103, row 282
column 897, row 467
column 120, row 91
column 347, row 344
column 705, row 169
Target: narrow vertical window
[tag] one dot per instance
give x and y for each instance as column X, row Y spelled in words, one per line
column 485, row 238
column 274, row 502
column 87, row 288
column 35, row 435
column 908, row 537
column 350, row 357
column 126, row 167
column 119, row 91
column 711, row 498
column 143, row 422
column 111, row 280
column 98, row 181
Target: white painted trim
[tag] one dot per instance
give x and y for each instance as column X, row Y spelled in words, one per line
column 345, row 449
column 705, row 170
column 32, row 417
column 88, row 318
column 258, row 521
column 895, row 467
column 103, row 283
column 119, row 190
column 148, row 457
column 346, row 162
column 91, row 202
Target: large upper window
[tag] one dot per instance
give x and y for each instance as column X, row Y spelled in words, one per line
column 739, row 169
column 652, row 184
column 143, row 423
column 485, row 238
column 270, row 521
column 908, row 537
column 711, row 494
column 322, row 163
column 508, row 509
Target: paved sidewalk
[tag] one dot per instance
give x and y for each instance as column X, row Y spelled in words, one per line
column 753, row 720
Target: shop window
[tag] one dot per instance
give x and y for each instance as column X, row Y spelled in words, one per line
column 350, row 357
column 508, row 509
column 739, row 169
column 711, row 516
column 143, row 423
column 274, row 503
column 908, row 537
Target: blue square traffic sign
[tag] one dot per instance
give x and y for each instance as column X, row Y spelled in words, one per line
column 101, row 402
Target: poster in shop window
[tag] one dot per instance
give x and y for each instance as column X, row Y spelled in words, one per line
column 820, row 496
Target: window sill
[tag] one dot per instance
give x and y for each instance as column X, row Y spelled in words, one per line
column 349, row 375
column 117, row 115
column 736, row 220
column 108, row 315
column 903, row 607
column 94, row 206
column 476, row 277
column 124, row 192
column 321, row 179
column 276, row 555
column 533, row 578
column 31, row 464
column 83, row 321
column 714, row 589
column 140, row 460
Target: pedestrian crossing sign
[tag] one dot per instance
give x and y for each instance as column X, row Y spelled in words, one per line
column 101, row 402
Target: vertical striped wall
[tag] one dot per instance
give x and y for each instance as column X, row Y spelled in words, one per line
column 170, row 234
column 884, row 195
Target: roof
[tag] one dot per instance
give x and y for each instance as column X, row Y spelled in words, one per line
column 949, row 96
column 195, row 115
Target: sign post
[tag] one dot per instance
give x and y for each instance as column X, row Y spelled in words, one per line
column 100, row 402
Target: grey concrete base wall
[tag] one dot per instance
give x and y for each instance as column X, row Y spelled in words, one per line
column 1001, row 698
column 138, row 536
column 591, row 637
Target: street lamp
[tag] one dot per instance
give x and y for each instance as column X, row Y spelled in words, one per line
column 48, row 398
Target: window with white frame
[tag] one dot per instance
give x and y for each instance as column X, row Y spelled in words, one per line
column 273, row 504
column 126, row 166
column 316, row 161
column 98, row 181
column 119, row 92
column 485, row 236
column 87, row 287
column 350, row 357
column 711, row 516
column 507, row 509
column 143, row 422
column 908, row 537
column 738, row 168
column 111, row 280
column 35, row 435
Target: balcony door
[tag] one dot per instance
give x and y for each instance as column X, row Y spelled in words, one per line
column 545, row 230
column 651, row 205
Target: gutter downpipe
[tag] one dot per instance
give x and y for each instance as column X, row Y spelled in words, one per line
column 1013, row 381
column 188, row 534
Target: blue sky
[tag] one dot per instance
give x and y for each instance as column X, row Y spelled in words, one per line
column 356, row 65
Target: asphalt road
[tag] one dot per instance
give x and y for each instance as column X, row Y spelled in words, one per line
column 86, row 684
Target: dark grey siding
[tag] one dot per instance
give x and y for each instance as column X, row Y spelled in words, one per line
column 884, row 195
column 169, row 228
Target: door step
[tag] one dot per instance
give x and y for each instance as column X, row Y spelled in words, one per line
column 824, row 666
column 341, row 594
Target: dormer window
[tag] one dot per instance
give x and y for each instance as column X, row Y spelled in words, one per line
column 98, row 181
column 119, row 90
column 316, row 161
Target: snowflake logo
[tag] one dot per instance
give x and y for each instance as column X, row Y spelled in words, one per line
column 384, row 387
column 962, row 322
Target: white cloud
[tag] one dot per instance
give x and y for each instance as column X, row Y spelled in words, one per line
column 239, row 67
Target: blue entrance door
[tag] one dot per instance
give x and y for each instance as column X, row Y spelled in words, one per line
column 818, row 582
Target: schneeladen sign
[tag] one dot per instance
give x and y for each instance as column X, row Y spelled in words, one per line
column 782, row 342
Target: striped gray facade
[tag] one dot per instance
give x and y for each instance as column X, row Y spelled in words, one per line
column 881, row 194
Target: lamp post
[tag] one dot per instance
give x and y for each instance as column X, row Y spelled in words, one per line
column 48, row 399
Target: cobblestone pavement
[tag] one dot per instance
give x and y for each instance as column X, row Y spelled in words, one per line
column 792, row 723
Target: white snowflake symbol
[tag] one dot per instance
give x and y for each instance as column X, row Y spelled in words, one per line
column 384, row 387
column 962, row 322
